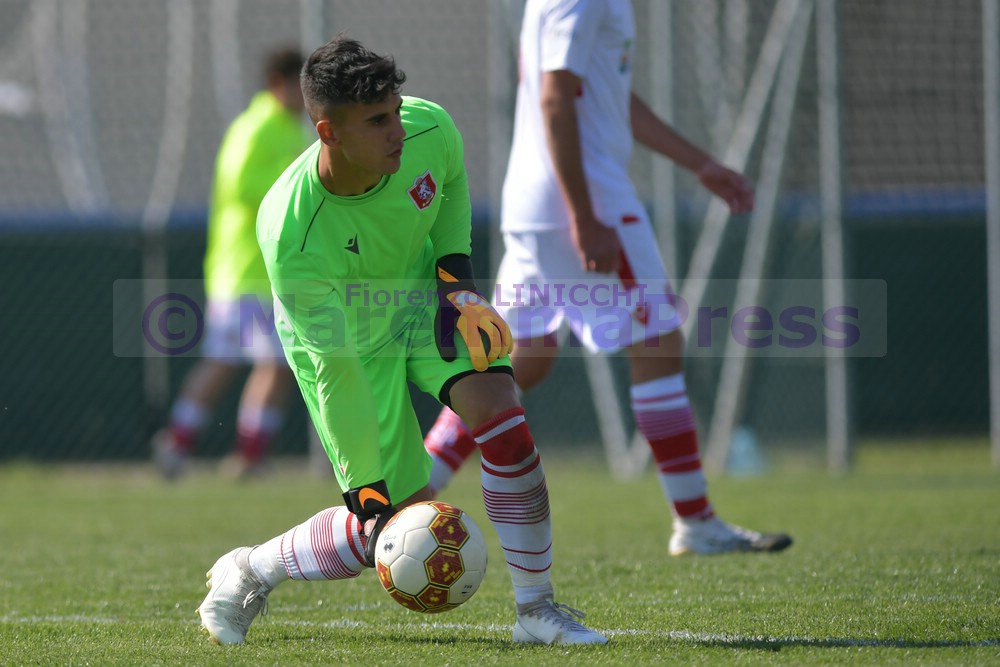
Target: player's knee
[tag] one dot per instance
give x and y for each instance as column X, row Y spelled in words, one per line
column 478, row 398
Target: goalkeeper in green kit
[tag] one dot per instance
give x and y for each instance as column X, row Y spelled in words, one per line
column 366, row 239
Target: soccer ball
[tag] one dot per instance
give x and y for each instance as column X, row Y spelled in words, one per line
column 430, row 557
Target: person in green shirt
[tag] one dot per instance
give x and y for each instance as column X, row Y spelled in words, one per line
column 259, row 144
column 366, row 240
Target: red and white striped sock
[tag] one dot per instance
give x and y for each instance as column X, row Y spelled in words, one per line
column 256, row 429
column 449, row 443
column 327, row 546
column 187, row 421
column 517, row 501
column 663, row 414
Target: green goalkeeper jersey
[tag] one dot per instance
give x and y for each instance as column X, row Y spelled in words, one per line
column 259, row 144
column 351, row 275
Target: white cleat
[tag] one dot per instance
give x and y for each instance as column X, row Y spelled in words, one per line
column 545, row 621
column 235, row 598
column 715, row 536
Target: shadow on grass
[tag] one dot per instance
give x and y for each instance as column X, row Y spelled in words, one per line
column 390, row 636
column 778, row 643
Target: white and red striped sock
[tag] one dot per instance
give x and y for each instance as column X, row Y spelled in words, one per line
column 327, row 546
column 256, row 429
column 663, row 414
column 187, row 420
column 517, row 501
column 449, row 443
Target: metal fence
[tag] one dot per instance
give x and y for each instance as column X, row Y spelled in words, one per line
column 111, row 112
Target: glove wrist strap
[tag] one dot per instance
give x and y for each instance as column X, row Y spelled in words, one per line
column 369, row 500
column 454, row 273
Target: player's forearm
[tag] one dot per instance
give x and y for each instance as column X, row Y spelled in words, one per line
column 452, row 230
column 650, row 131
column 562, row 134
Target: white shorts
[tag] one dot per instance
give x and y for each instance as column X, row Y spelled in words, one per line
column 244, row 332
column 541, row 283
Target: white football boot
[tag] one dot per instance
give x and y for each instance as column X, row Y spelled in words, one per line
column 545, row 621
column 715, row 536
column 235, row 598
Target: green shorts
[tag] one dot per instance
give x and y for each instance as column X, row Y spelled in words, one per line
column 406, row 464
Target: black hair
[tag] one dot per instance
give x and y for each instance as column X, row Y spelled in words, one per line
column 343, row 71
column 284, row 63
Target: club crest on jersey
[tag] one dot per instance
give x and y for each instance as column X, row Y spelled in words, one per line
column 423, row 190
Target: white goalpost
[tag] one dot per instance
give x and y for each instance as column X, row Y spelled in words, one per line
column 787, row 32
column 874, row 152
column 991, row 119
column 744, row 134
column 737, row 115
column 312, row 34
column 773, row 81
column 736, row 363
column 170, row 148
column 838, row 436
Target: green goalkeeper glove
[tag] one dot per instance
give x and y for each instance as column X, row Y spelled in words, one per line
column 464, row 309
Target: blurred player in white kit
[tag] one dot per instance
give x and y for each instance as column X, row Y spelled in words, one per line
column 571, row 218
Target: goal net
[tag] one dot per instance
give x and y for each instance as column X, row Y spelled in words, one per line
column 861, row 123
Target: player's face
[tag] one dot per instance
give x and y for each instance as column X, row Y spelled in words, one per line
column 370, row 136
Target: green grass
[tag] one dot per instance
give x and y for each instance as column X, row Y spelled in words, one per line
column 897, row 563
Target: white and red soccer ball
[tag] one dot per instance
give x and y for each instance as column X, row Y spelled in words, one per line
column 431, row 557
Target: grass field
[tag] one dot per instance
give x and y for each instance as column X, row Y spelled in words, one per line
column 897, row 563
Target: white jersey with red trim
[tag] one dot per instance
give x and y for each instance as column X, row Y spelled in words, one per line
column 593, row 39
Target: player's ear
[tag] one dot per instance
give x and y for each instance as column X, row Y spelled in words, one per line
column 327, row 133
